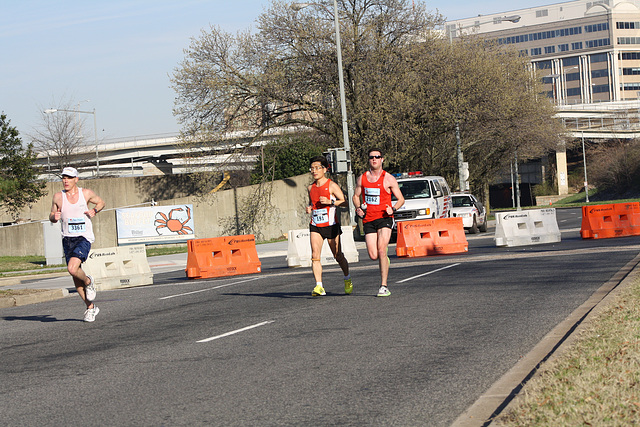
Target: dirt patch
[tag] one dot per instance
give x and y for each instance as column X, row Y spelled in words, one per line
column 15, row 292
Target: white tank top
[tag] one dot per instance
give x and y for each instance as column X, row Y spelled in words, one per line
column 74, row 221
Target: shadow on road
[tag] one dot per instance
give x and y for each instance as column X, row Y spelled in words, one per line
column 44, row 318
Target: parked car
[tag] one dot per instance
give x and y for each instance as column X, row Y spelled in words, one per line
column 472, row 212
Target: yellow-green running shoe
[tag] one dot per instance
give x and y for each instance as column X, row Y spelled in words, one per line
column 384, row 291
column 348, row 286
column 318, row 291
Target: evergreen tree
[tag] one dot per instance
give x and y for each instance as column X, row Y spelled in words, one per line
column 19, row 186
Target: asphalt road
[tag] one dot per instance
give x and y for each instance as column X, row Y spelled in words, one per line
column 259, row 350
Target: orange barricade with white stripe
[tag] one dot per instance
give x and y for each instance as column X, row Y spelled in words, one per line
column 222, row 256
column 613, row 220
column 431, row 237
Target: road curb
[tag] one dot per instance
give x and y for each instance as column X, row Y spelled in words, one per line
column 502, row 394
column 34, row 298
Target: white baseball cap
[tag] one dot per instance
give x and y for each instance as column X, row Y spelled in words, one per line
column 69, row 171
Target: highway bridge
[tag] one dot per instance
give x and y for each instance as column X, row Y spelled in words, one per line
column 165, row 154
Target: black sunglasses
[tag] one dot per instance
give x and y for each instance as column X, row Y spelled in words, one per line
column 375, row 157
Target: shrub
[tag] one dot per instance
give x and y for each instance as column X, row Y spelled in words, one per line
column 615, row 167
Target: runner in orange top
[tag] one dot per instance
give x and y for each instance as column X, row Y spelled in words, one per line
column 376, row 187
column 324, row 196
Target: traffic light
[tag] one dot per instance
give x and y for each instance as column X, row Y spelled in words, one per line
column 339, row 160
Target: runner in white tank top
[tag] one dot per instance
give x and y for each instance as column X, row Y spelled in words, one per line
column 75, row 222
column 71, row 207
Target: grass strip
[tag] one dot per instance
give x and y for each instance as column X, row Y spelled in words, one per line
column 596, row 381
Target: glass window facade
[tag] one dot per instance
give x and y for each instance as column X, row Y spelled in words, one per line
column 598, row 42
column 628, row 40
column 600, row 88
column 599, row 73
column 596, row 27
column 628, row 25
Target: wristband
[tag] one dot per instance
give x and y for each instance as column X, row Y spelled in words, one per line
column 95, row 212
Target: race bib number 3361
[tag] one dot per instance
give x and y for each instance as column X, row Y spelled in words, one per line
column 77, row 225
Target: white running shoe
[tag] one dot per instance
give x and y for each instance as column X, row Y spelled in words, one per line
column 383, row 291
column 90, row 314
column 90, row 290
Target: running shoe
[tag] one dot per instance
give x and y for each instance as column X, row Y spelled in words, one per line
column 383, row 291
column 348, row 286
column 90, row 314
column 318, row 291
column 90, row 290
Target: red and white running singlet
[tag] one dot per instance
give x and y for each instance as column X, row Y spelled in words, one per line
column 322, row 215
column 376, row 197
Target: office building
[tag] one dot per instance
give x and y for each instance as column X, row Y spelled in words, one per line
column 587, row 51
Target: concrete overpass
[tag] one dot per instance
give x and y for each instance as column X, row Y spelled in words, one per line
column 164, row 154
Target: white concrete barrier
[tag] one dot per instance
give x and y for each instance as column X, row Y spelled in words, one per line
column 299, row 249
column 119, row 267
column 528, row 227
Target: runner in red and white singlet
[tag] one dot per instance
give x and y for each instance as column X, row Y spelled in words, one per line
column 373, row 190
column 324, row 196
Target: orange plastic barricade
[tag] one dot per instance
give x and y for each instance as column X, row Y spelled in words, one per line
column 431, row 237
column 222, row 256
column 613, row 220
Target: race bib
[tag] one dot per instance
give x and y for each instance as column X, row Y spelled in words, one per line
column 320, row 216
column 372, row 196
column 77, row 225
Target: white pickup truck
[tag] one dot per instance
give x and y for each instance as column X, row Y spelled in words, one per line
column 426, row 197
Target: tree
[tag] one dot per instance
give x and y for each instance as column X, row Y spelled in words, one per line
column 60, row 136
column 407, row 87
column 287, row 157
column 19, row 186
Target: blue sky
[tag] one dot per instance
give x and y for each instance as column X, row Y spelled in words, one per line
column 118, row 54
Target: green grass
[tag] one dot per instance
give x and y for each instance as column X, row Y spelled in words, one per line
column 22, row 263
column 182, row 248
column 573, row 201
column 168, row 250
column 579, row 199
column 595, row 382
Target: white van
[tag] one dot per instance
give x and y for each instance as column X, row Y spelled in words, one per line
column 426, row 197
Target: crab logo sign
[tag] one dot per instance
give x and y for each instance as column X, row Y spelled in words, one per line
column 157, row 224
column 174, row 223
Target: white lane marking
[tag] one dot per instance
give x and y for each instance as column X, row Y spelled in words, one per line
column 427, row 273
column 237, row 331
column 209, row 289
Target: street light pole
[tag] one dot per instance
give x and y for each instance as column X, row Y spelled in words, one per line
column 463, row 186
column 584, row 161
column 343, row 105
column 95, row 129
